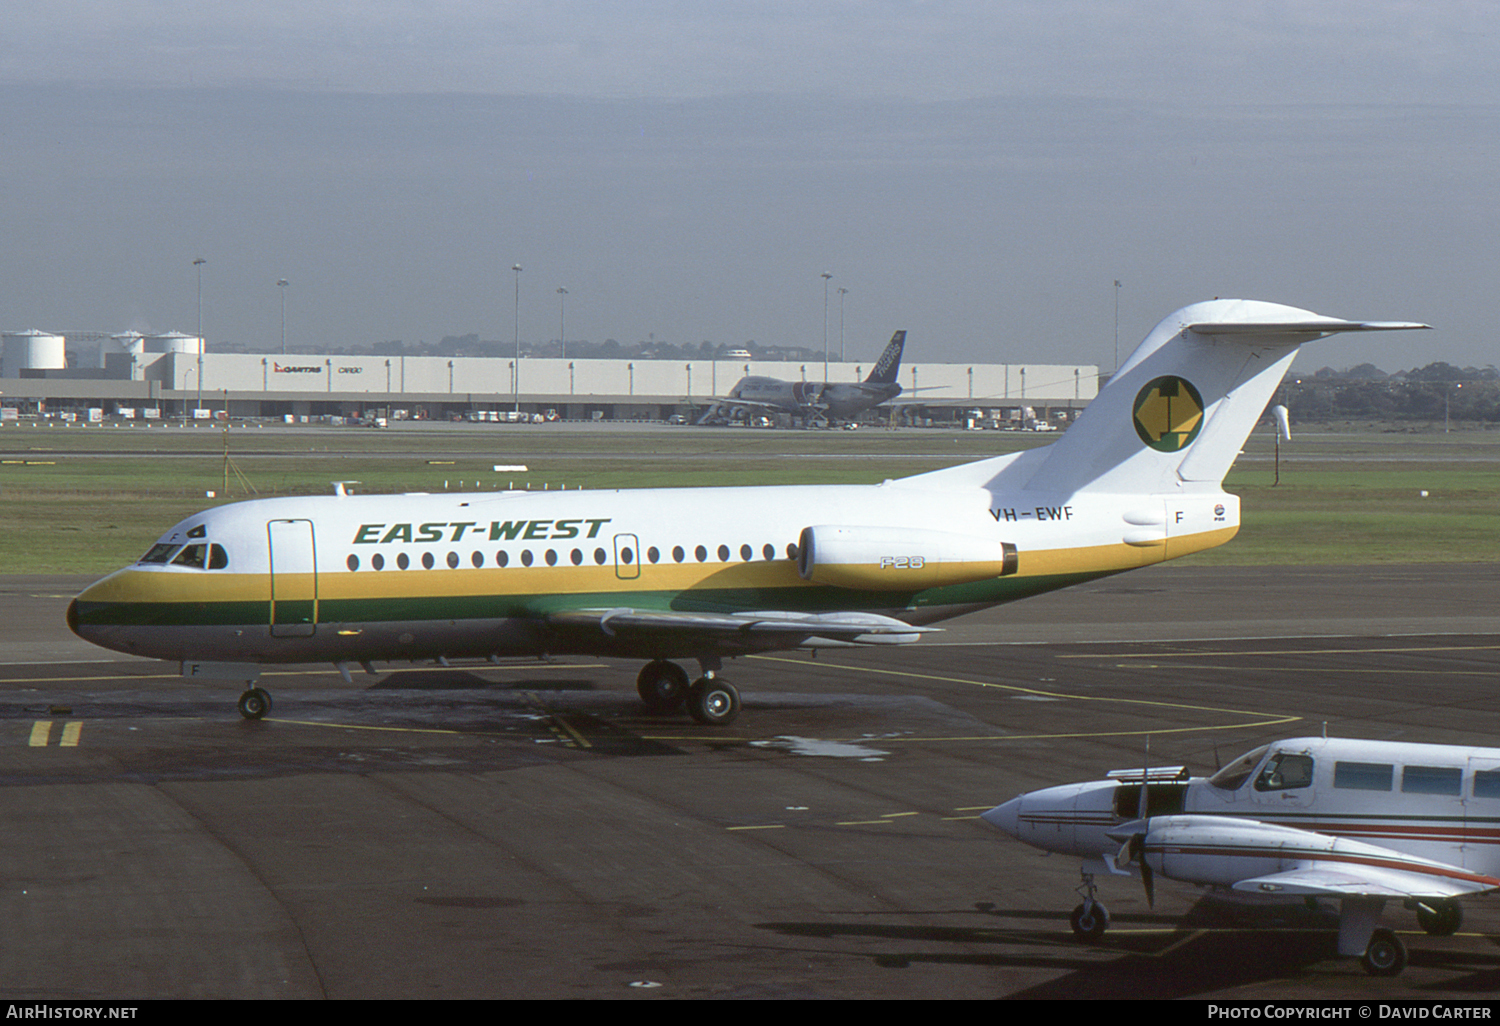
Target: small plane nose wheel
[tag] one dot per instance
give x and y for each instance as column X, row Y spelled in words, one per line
column 1386, row 955
column 255, row 703
column 1091, row 919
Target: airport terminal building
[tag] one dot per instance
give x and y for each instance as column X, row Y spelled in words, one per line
column 170, row 377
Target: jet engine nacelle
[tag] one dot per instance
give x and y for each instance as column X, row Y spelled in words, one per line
column 899, row 559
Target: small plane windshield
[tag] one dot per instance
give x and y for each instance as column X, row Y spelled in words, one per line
column 1237, row 772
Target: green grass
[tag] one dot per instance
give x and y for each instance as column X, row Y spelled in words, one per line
column 88, row 500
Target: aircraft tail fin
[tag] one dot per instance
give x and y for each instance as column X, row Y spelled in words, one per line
column 889, row 364
column 1179, row 409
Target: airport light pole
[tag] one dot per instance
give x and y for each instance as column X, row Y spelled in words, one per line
column 842, row 293
column 562, row 320
column 281, row 284
column 515, row 380
column 1117, row 325
column 198, row 266
column 826, row 276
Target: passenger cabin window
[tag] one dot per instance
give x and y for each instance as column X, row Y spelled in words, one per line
column 1487, row 783
column 1432, row 780
column 1363, row 776
column 1285, row 772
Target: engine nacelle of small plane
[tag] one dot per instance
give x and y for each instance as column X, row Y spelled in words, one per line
column 898, row 558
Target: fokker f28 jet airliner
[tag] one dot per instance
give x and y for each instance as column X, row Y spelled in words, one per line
column 711, row 573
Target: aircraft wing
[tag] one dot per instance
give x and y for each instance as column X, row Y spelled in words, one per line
column 1369, row 881
column 772, row 628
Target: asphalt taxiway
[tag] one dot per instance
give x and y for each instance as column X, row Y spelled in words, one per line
column 527, row 831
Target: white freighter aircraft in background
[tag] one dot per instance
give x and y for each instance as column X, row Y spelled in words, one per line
column 814, row 402
column 1358, row 822
column 709, row 573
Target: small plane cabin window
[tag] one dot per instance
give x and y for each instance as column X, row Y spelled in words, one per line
column 218, row 559
column 1237, row 772
column 1363, row 776
column 377, row 561
column 1487, row 783
column 402, row 561
column 352, row 562
column 1432, row 780
column 160, row 553
column 192, row 555
column 1285, row 772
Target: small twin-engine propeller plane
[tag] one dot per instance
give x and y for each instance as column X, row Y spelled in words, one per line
column 816, row 402
column 710, row 573
column 1359, row 822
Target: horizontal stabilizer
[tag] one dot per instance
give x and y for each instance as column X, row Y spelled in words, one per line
column 1311, row 326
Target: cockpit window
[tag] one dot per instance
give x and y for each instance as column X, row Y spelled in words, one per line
column 1237, row 772
column 1285, row 772
column 160, row 553
column 201, row 531
column 200, row 556
column 192, row 555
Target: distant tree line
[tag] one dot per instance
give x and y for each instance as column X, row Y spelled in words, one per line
column 1431, row 393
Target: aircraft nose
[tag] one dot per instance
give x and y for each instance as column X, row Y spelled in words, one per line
column 1006, row 817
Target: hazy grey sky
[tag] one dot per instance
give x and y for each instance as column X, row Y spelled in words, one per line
column 978, row 173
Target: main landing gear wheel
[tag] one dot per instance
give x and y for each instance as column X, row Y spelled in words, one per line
column 1440, row 918
column 713, row 702
column 1386, row 955
column 255, row 703
column 662, row 686
column 1089, row 921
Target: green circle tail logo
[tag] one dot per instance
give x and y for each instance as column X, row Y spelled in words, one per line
column 1168, row 413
